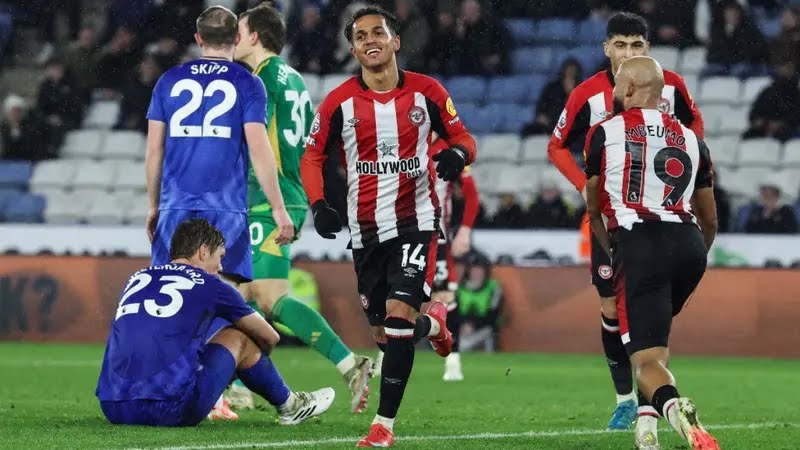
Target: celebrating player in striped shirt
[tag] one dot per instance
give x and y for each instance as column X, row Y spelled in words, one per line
column 382, row 123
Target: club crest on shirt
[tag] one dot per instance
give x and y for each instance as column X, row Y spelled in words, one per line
column 417, row 116
column 315, row 124
column 663, row 106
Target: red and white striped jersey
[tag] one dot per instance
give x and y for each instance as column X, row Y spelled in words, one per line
column 591, row 102
column 385, row 143
column 649, row 166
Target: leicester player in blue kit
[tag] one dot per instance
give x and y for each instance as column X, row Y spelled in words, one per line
column 204, row 116
column 160, row 369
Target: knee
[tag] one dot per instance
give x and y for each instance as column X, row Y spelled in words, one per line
column 267, row 292
column 445, row 297
column 400, row 310
column 379, row 334
column 608, row 306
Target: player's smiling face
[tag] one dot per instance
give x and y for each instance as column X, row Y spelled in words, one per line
column 373, row 43
column 618, row 48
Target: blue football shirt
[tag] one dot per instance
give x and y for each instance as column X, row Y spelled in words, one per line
column 161, row 326
column 205, row 104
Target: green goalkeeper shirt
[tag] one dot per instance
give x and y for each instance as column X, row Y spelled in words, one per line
column 289, row 115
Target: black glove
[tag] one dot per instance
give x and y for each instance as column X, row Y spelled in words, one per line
column 326, row 219
column 450, row 163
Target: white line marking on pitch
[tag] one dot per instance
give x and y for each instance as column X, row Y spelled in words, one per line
column 463, row 437
column 51, row 363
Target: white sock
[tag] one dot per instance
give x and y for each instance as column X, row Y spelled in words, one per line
column 435, row 328
column 218, row 404
column 647, row 410
column 287, row 405
column 346, row 364
column 385, row 421
column 626, row 397
column 671, row 413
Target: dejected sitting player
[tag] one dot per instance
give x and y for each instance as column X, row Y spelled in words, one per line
column 382, row 122
column 587, row 105
column 160, row 369
column 647, row 173
column 289, row 115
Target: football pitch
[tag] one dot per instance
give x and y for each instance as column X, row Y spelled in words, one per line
column 526, row 401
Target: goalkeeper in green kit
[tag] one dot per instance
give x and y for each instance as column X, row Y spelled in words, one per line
column 289, row 114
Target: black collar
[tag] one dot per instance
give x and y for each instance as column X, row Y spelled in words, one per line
column 401, row 78
column 610, row 77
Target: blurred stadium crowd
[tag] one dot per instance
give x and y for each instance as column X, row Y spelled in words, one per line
column 73, row 142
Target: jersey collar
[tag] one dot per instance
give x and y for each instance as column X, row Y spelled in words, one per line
column 263, row 64
column 610, row 77
column 401, row 77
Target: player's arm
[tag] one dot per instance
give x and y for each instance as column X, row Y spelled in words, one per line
column 324, row 137
column 685, row 108
column 262, row 158
column 472, row 204
column 445, row 122
column 153, row 160
column 154, row 156
column 574, row 120
column 705, row 207
column 595, row 146
column 230, row 305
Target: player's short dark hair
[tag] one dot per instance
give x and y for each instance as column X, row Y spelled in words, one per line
column 218, row 26
column 391, row 20
column 627, row 24
column 265, row 20
column 190, row 235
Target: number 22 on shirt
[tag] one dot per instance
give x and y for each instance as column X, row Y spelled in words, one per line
column 177, row 127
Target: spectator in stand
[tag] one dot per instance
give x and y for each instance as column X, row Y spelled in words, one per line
column 59, row 100
column 770, row 215
column 414, row 35
column 553, row 98
column 23, row 135
column 441, row 58
column 136, row 96
column 480, row 300
column 117, row 60
column 737, row 47
column 723, row 202
column 132, row 15
column 166, row 50
column 670, row 22
column 176, row 18
column 80, row 60
column 509, row 214
column 550, row 210
column 309, row 52
column 482, row 42
column 786, row 45
column 776, row 110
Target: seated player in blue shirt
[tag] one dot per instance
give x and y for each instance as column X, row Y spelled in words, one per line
column 161, row 369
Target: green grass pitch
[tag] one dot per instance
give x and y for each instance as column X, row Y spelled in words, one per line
column 507, row 401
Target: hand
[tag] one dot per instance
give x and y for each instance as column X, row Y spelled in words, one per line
column 461, row 242
column 326, row 219
column 285, row 226
column 150, row 223
column 450, row 163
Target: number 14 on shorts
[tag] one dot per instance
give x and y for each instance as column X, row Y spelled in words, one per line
column 414, row 257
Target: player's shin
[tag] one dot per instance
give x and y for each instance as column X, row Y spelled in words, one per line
column 397, row 364
column 311, row 328
column 619, row 364
column 264, row 379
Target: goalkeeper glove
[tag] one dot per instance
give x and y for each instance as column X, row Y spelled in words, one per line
column 450, row 163
column 326, row 219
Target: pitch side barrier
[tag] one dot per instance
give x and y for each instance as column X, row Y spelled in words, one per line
column 735, row 312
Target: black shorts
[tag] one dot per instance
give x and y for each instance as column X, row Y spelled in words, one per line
column 602, row 271
column 657, row 265
column 399, row 269
column 444, row 280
